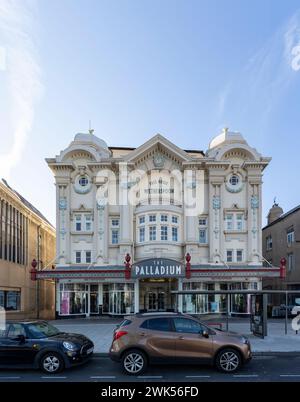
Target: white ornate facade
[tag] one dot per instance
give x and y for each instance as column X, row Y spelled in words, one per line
column 98, row 224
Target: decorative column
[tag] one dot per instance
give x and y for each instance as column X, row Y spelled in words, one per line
column 101, row 231
column 62, row 219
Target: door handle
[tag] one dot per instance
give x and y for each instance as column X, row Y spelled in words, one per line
column 181, row 338
column 142, row 334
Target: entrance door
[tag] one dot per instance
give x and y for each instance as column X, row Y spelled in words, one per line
column 156, row 300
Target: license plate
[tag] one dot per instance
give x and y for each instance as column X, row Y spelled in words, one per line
column 89, row 351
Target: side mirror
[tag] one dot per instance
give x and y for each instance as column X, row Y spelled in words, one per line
column 205, row 334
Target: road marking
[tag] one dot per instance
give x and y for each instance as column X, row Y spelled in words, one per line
column 52, row 377
column 150, row 376
column 9, row 378
column 245, row 375
column 197, row 376
column 289, row 375
column 103, row 376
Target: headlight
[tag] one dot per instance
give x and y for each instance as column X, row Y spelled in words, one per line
column 69, row 346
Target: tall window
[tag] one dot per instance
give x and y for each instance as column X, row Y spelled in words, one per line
column 142, row 234
column 115, row 224
column 88, row 257
column 78, row 223
column 202, row 236
column 229, row 255
column 174, row 234
column 202, row 230
column 142, row 220
column 229, row 222
column 164, row 233
column 239, row 255
column 152, row 233
column 239, row 221
column 78, row 257
column 269, row 242
column 164, row 218
column 115, row 236
column 174, row 219
column 291, row 261
column 88, row 223
column 290, row 235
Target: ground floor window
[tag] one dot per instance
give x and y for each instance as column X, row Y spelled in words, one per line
column 73, row 298
column 118, row 298
column 214, row 303
column 10, row 300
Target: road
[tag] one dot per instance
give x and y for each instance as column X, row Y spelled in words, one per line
column 102, row 369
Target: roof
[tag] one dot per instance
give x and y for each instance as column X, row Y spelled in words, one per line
column 27, row 203
column 194, row 151
column 282, row 217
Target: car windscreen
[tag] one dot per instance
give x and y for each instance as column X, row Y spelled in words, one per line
column 40, row 330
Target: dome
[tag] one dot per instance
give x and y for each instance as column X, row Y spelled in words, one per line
column 226, row 137
column 275, row 212
column 90, row 139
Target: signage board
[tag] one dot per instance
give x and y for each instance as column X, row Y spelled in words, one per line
column 258, row 315
column 158, row 268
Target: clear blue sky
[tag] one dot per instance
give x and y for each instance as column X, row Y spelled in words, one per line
column 184, row 69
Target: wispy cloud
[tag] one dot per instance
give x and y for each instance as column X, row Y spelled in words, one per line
column 265, row 77
column 21, row 73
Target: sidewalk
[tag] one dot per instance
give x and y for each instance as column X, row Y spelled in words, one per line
column 100, row 332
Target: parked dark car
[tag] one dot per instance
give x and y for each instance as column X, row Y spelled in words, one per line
column 37, row 344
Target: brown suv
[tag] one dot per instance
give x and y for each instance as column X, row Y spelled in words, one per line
column 175, row 338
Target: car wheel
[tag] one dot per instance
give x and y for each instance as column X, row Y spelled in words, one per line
column 51, row 363
column 134, row 362
column 228, row 360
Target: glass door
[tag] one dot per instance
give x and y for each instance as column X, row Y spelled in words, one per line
column 94, row 305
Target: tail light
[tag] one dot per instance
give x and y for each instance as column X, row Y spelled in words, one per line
column 119, row 334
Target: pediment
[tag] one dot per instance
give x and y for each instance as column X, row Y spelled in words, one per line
column 159, row 149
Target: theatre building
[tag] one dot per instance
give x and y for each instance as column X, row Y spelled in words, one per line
column 133, row 224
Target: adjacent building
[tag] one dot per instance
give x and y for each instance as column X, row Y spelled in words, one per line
column 281, row 239
column 133, row 224
column 25, row 234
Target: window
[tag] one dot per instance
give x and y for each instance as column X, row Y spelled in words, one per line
column 83, row 181
column 229, row 222
column 202, row 221
column 115, row 236
column 78, row 257
column 142, row 235
column 10, row 300
column 88, row 257
column 174, row 234
column 187, row 326
column 239, row 222
column 152, row 218
column 78, row 223
column 229, row 255
column 234, row 180
column 115, row 222
column 142, row 220
column 15, row 330
column 164, row 218
column 202, row 236
column 88, row 223
column 174, row 219
column 152, row 233
column 239, row 255
column 291, row 261
column 269, row 243
column 157, row 324
column 290, row 236
column 164, row 233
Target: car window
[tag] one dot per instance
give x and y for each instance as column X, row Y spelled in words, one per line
column 124, row 323
column 187, row 326
column 157, row 324
column 41, row 330
column 3, row 331
column 15, row 330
